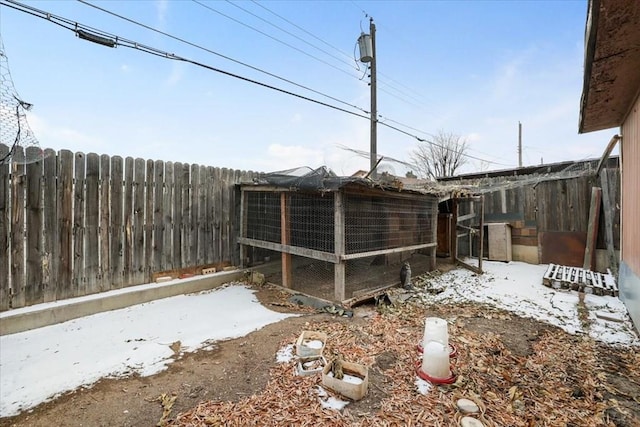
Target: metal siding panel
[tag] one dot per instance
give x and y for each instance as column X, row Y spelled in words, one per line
column 630, row 185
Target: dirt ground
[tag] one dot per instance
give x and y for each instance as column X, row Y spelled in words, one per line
column 239, row 368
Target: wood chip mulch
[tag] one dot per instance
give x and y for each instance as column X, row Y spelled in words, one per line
column 561, row 383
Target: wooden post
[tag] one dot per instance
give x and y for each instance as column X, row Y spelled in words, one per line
column 454, row 230
column 481, row 244
column 5, row 237
column 609, row 212
column 434, row 235
column 243, row 227
column 592, row 230
column 339, row 243
column 285, row 236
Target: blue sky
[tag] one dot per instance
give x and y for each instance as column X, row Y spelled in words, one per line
column 474, row 68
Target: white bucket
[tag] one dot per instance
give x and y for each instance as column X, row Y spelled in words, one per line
column 435, row 329
column 435, row 360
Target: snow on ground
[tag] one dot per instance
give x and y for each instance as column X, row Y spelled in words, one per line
column 517, row 287
column 285, row 354
column 39, row 364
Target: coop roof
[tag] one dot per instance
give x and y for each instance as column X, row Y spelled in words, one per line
column 323, row 179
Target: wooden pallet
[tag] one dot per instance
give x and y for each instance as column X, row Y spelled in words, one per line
column 581, row 280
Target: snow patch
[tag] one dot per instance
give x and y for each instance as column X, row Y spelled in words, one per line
column 517, row 287
column 330, row 402
column 39, row 364
column 285, row 354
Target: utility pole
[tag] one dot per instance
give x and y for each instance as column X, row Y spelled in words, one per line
column 367, row 45
column 519, row 144
column 374, row 102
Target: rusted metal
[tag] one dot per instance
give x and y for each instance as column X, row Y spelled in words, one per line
column 562, row 247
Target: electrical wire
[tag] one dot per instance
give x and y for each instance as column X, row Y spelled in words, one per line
column 197, row 46
column 260, row 4
column 120, row 41
column 290, row 33
column 98, row 36
column 273, row 38
column 409, row 95
column 434, row 136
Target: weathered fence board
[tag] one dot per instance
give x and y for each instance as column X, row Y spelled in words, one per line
column 138, row 265
column 65, row 225
column 202, row 215
column 148, row 217
column 92, row 223
column 216, row 200
column 193, row 201
column 187, row 234
column 17, row 234
column 127, row 220
column 51, row 232
column 177, row 229
column 167, row 218
column 227, row 210
column 73, row 224
column 33, row 280
column 4, row 234
column 105, row 224
column 78, row 279
column 158, row 233
column 116, row 234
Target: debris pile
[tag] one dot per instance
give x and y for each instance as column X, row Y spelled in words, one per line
column 559, row 380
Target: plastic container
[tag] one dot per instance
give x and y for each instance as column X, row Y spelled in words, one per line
column 310, row 343
column 435, row 329
column 435, row 360
column 346, row 386
column 311, row 365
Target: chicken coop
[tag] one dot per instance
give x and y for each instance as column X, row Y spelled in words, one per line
column 334, row 237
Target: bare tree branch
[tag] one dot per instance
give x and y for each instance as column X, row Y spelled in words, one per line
column 442, row 157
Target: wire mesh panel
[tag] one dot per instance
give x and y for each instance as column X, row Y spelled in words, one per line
column 312, row 221
column 366, row 274
column 310, row 276
column 372, row 222
column 263, row 216
column 376, row 222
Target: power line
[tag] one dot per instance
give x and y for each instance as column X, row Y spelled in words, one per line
column 306, row 42
column 290, row 33
column 107, row 39
column 164, row 33
column 433, row 136
column 244, row 64
column 260, row 4
column 104, row 38
column 273, row 38
column 437, row 145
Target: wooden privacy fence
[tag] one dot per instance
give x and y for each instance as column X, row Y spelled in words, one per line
column 76, row 224
column 552, row 213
